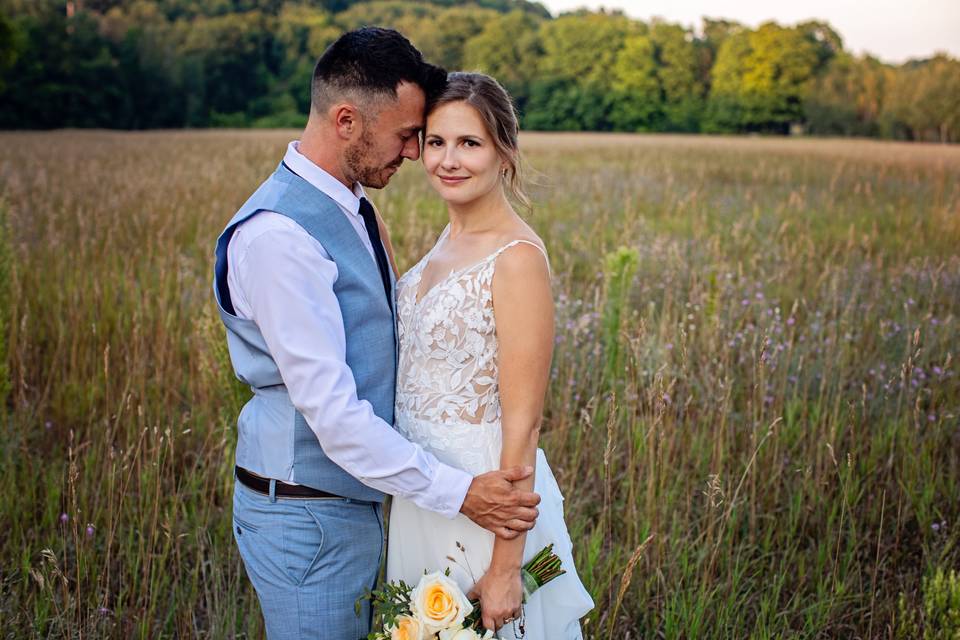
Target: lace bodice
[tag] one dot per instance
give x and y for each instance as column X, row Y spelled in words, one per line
column 447, row 391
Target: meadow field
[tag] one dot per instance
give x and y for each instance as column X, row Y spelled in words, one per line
column 754, row 412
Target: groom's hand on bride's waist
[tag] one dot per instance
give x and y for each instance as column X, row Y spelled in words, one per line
column 496, row 505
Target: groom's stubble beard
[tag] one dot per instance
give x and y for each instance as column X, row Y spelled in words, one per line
column 357, row 158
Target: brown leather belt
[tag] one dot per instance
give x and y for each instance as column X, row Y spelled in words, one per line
column 282, row 490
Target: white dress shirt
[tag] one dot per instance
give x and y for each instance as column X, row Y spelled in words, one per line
column 281, row 278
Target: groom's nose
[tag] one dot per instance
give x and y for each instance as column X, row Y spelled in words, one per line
column 411, row 149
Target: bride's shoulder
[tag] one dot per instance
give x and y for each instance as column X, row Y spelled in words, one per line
column 524, row 243
column 523, row 261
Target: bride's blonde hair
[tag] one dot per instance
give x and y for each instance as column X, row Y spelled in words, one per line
column 496, row 109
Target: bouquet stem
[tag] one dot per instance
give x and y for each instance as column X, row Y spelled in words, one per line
column 538, row 571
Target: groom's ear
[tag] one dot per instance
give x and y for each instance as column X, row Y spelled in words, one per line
column 346, row 120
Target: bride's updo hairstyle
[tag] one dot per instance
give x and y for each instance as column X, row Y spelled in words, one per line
column 495, row 107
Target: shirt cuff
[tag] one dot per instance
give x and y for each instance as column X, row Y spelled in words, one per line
column 449, row 489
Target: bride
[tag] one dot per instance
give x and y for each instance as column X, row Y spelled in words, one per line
column 475, row 322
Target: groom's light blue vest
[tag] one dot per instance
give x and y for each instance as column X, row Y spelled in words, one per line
column 274, row 439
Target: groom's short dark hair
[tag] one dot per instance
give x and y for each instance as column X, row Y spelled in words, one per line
column 369, row 63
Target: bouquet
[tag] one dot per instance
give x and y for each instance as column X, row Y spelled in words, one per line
column 437, row 609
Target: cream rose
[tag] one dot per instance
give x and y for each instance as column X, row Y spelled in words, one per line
column 406, row 628
column 439, row 603
column 459, row 633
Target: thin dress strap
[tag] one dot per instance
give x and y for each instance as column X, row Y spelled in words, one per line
column 518, row 241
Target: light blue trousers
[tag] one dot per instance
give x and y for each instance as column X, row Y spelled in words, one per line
column 309, row 561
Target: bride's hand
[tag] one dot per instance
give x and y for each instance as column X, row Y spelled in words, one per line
column 501, row 594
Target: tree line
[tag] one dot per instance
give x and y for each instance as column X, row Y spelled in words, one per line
column 137, row 64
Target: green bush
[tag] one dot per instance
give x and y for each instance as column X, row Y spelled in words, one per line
column 938, row 616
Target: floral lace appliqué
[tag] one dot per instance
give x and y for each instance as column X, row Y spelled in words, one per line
column 448, row 358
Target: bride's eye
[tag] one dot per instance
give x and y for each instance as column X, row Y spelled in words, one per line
column 434, row 142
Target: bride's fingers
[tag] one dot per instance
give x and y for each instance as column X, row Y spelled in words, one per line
column 489, row 623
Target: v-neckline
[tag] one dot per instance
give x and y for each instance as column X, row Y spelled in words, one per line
column 417, row 296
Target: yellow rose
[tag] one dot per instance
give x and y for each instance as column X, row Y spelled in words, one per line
column 439, row 603
column 406, row 628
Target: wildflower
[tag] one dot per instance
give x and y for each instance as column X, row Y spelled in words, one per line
column 935, row 526
column 744, row 302
column 931, row 418
column 938, row 371
column 64, row 518
column 90, row 530
column 668, row 346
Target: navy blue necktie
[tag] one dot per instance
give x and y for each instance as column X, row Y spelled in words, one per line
column 373, row 232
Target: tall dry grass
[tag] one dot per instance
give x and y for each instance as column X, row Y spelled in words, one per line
column 753, row 414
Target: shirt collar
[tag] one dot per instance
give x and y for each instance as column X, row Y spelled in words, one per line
column 348, row 200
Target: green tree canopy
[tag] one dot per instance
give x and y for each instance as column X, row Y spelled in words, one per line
column 761, row 78
column 197, row 63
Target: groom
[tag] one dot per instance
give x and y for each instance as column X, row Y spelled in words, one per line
column 304, row 286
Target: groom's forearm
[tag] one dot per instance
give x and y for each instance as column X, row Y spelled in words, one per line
column 289, row 286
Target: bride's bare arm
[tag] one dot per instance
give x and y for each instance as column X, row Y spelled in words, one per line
column 523, row 306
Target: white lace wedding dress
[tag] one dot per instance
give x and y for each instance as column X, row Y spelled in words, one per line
column 448, row 402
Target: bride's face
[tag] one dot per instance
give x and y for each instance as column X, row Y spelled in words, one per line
column 460, row 158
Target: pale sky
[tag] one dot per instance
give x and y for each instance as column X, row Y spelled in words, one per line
column 892, row 30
